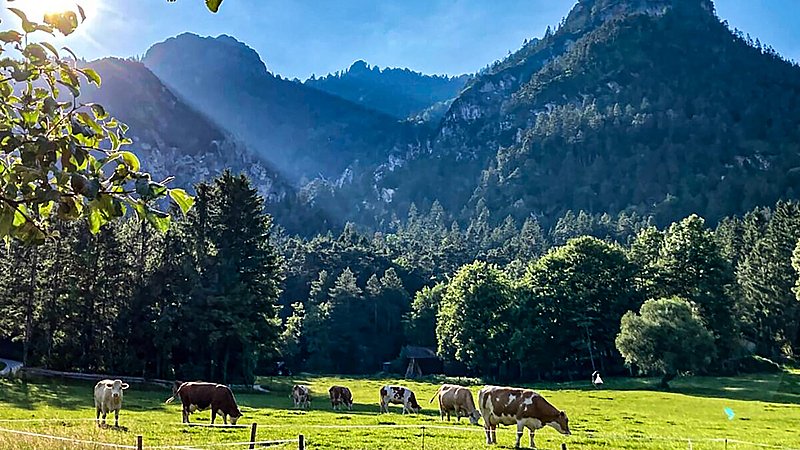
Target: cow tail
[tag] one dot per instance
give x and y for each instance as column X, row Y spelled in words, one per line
column 435, row 395
column 171, row 399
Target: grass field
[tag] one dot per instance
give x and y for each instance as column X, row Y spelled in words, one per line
column 626, row 414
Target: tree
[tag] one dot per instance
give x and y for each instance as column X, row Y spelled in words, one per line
column 570, row 303
column 420, row 322
column 691, row 266
column 666, row 337
column 766, row 277
column 61, row 159
column 473, row 324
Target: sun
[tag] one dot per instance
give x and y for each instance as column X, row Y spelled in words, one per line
column 36, row 9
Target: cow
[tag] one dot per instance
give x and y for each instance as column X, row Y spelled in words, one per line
column 456, row 399
column 341, row 395
column 523, row 407
column 596, row 380
column 399, row 395
column 301, row 396
column 107, row 398
column 199, row 396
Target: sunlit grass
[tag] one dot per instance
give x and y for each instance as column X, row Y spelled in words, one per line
column 626, row 414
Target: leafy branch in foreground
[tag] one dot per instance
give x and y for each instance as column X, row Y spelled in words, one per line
column 212, row 5
column 60, row 158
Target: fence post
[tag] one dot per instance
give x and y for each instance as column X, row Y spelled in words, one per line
column 563, row 446
column 253, row 427
column 139, row 443
column 423, row 437
column 301, row 442
column 726, row 443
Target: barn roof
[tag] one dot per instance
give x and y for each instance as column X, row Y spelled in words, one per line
column 413, row 352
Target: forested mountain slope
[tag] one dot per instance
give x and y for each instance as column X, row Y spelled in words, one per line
column 398, row 92
column 651, row 106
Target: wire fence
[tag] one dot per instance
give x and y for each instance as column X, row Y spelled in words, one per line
column 299, row 441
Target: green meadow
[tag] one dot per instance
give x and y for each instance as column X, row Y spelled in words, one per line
column 626, row 414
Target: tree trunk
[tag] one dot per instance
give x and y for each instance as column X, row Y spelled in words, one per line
column 666, row 379
column 29, row 306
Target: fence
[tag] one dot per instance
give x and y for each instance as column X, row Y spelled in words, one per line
column 300, row 441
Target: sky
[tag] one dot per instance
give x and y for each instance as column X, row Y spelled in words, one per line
column 298, row 38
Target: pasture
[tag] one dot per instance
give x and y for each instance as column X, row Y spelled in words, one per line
column 626, row 414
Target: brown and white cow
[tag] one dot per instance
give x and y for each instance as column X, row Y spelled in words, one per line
column 107, row 398
column 400, row 396
column 523, row 407
column 458, row 400
column 341, row 396
column 199, row 396
column 301, row 396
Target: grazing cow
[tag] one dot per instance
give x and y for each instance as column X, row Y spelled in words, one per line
column 399, row 395
column 301, row 396
column 458, row 400
column 107, row 398
column 523, row 407
column 199, row 396
column 341, row 395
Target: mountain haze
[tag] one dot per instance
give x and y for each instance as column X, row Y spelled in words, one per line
column 398, row 92
column 305, row 133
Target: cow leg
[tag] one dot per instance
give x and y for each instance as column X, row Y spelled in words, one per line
column 116, row 418
column 105, row 414
column 213, row 415
column 520, row 429
column 488, row 431
column 224, row 418
column 98, row 416
column 531, row 431
column 494, row 434
column 185, row 415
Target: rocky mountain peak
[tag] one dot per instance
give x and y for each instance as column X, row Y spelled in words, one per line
column 589, row 13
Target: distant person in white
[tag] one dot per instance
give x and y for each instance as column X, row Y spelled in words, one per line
column 596, row 380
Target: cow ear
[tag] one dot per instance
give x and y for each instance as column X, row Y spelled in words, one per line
column 125, row 386
column 562, row 414
column 109, row 385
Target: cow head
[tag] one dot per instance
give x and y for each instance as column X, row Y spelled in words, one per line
column 561, row 423
column 474, row 417
column 116, row 387
column 235, row 417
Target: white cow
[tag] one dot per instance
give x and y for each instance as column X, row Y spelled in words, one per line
column 107, row 398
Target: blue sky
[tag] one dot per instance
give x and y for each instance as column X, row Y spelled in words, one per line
column 300, row 37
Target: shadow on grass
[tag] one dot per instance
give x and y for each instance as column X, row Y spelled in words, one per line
column 74, row 394
column 781, row 387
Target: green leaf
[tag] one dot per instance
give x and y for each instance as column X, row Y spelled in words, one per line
column 184, row 200
column 50, row 47
column 27, row 25
column 131, row 161
column 213, row 5
column 159, row 220
column 66, row 22
column 10, row 36
column 75, row 92
column 99, row 112
column 91, row 75
column 95, row 219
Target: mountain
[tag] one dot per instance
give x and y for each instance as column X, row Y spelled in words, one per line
column 305, row 133
column 172, row 138
column 647, row 106
column 400, row 93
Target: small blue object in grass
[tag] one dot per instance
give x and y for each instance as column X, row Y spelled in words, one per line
column 729, row 412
